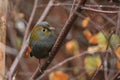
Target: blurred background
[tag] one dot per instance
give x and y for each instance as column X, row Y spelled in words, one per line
column 91, row 50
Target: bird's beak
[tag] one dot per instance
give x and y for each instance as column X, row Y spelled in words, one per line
column 52, row 28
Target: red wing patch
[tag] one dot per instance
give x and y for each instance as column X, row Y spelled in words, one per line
column 28, row 50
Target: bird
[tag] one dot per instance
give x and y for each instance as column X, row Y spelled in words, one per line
column 41, row 40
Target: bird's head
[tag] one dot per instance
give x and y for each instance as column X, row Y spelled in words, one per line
column 41, row 31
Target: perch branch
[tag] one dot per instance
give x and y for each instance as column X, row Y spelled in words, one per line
column 61, row 63
column 59, row 41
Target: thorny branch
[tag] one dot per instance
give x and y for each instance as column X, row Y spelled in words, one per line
column 59, row 41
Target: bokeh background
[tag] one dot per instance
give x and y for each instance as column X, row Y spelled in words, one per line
column 91, row 50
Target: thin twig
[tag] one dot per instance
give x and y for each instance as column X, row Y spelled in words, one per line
column 106, row 57
column 46, row 11
column 17, row 59
column 102, row 6
column 15, row 63
column 86, row 5
column 118, row 24
column 59, row 41
column 100, row 11
column 61, row 63
column 91, row 8
column 116, row 76
column 30, row 21
column 11, row 32
column 73, row 7
column 11, row 51
column 111, row 21
column 105, row 61
column 97, row 26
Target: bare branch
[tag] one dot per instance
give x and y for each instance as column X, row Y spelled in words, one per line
column 30, row 21
column 17, row 59
column 118, row 24
column 100, row 11
column 73, row 7
column 46, row 11
column 116, row 76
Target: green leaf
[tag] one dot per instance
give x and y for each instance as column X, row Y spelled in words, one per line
column 92, row 63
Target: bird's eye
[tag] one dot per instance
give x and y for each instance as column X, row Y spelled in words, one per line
column 44, row 30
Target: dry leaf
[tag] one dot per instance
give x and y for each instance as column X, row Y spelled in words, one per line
column 72, row 47
column 85, row 22
column 87, row 34
column 117, row 52
column 58, row 75
column 93, row 40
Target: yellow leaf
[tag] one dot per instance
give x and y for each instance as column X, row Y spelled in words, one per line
column 92, row 63
column 72, row 47
column 85, row 22
column 58, row 75
column 115, row 40
column 101, row 39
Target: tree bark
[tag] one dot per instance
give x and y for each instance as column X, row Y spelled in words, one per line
column 3, row 12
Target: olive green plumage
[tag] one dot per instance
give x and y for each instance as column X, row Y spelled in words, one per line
column 41, row 40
